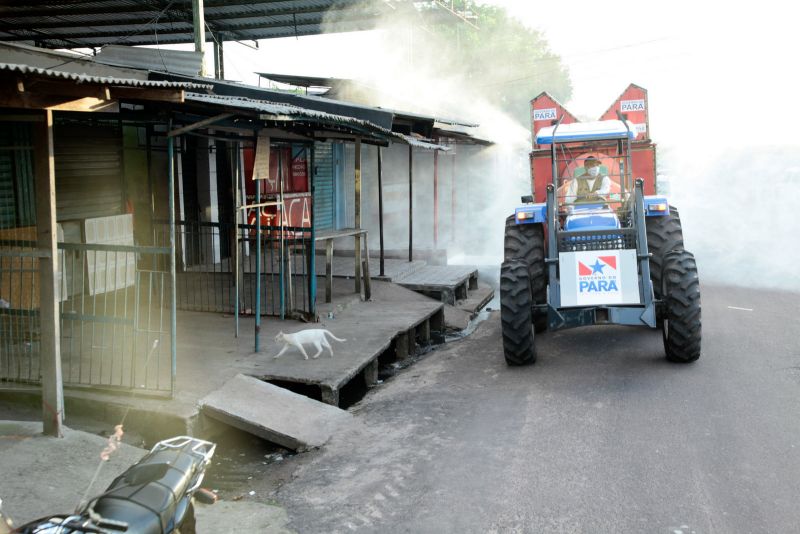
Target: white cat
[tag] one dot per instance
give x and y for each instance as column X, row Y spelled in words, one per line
column 314, row 336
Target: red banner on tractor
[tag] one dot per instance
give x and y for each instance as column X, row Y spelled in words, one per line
column 632, row 103
column 544, row 111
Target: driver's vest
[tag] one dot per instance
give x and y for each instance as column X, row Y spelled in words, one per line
column 583, row 186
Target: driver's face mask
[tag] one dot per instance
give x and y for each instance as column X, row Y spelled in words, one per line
column 593, row 171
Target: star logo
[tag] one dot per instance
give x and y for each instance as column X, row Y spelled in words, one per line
column 597, row 267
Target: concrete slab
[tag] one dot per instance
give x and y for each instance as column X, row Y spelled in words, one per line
column 477, row 299
column 369, row 329
column 456, row 319
column 446, row 282
column 439, row 275
column 273, row 413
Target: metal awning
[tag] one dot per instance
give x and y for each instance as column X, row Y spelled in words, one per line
column 100, row 80
column 302, row 81
column 95, row 23
column 335, row 107
column 427, row 144
column 280, row 112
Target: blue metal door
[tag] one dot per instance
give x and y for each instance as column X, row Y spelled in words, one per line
column 324, row 208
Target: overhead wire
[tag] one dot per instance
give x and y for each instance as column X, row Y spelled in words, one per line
column 152, row 21
column 561, row 58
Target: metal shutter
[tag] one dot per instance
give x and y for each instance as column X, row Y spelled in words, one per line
column 323, row 186
column 88, row 161
column 8, row 212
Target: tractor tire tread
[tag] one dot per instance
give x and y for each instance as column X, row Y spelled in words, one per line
column 515, row 313
column 526, row 242
column 682, row 309
column 664, row 234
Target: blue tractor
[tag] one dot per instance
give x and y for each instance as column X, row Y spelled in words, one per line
column 598, row 251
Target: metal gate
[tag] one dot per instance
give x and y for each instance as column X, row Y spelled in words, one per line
column 206, row 280
column 116, row 327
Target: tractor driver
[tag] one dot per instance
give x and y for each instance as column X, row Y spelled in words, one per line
column 589, row 186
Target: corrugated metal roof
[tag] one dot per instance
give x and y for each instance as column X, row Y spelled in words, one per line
column 302, row 81
column 327, row 105
column 317, row 81
column 280, row 111
column 87, row 23
column 103, row 80
column 421, row 143
column 155, row 59
column 93, row 23
column 461, row 137
column 287, row 112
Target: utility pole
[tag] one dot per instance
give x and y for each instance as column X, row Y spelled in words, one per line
column 199, row 20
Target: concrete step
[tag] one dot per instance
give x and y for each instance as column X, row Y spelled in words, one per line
column 448, row 283
column 476, row 299
column 457, row 318
column 273, row 413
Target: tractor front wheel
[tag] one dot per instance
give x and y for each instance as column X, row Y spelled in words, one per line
column 526, row 242
column 515, row 313
column 680, row 289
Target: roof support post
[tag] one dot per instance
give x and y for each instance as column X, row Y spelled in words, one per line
column 219, row 60
column 357, row 206
column 173, row 303
column 199, row 21
column 410, row 202
column 50, row 348
column 453, row 199
column 435, row 199
column 380, row 208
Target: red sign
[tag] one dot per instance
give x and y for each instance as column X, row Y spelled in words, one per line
column 633, row 104
column 544, row 110
column 293, row 162
column 296, row 213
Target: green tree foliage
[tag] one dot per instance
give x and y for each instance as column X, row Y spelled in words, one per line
column 504, row 60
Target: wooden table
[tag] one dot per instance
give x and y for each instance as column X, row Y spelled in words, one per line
column 357, row 233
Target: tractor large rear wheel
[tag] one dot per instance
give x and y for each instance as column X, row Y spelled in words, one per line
column 526, row 242
column 681, row 325
column 515, row 313
column 664, row 234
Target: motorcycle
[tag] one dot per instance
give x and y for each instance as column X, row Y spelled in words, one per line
column 155, row 495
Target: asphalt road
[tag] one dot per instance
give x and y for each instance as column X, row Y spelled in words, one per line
column 602, row 434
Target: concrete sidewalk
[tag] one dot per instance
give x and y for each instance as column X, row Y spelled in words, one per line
column 41, row 475
column 209, row 355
